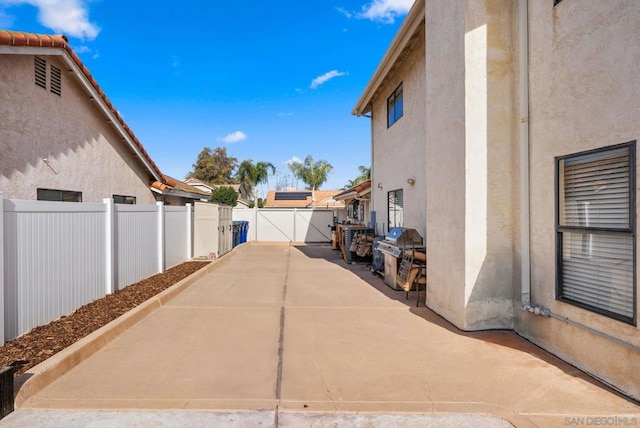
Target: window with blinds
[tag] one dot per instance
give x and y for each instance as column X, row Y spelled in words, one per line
column 595, row 231
column 395, row 209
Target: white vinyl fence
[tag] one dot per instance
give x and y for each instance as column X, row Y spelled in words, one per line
column 286, row 224
column 58, row 256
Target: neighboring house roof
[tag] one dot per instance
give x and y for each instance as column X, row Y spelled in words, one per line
column 171, row 186
column 357, row 191
column 209, row 187
column 398, row 50
column 302, row 199
column 13, row 42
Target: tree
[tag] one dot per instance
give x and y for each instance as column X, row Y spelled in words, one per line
column 214, row 166
column 313, row 174
column 251, row 174
column 225, row 195
column 365, row 174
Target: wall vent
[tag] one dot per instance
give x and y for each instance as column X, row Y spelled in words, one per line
column 56, row 80
column 40, row 72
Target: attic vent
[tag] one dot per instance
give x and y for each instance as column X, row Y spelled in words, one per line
column 40, row 72
column 56, row 80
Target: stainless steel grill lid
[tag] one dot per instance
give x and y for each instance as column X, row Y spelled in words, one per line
column 403, row 236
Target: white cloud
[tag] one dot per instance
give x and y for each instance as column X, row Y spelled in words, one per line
column 292, row 160
column 385, row 11
column 325, row 77
column 345, row 12
column 234, row 137
column 70, row 17
column 285, row 114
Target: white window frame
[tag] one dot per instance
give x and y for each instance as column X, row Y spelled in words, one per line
column 595, row 222
column 395, row 206
column 43, row 194
column 395, row 106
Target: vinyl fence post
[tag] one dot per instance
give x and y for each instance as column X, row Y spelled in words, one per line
column 255, row 216
column 2, row 320
column 109, row 251
column 295, row 214
column 160, row 206
column 189, row 231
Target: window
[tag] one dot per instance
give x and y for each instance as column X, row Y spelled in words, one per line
column 59, row 195
column 121, row 199
column 40, row 67
column 394, row 106
column 395, row 209
column 595, row 231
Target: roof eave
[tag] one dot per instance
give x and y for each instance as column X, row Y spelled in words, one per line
column 116, row 121
column 400, row 42
column 346, row 195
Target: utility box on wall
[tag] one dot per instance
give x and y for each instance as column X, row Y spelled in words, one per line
column 212, row 230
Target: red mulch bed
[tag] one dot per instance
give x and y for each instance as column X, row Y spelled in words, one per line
column 42, row 342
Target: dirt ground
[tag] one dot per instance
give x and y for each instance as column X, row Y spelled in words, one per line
column 42, row 342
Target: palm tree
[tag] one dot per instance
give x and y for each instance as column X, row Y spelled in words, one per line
column 365, row 174
column 313, row 174
column 251, row 174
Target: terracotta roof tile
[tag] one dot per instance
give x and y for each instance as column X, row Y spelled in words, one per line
column 358, row 188
column 17, row 38
column 177, row 184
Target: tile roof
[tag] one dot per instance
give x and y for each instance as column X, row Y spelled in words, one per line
column 181, row 185
column 21, row 39
column 354, row 191
column 324, row 199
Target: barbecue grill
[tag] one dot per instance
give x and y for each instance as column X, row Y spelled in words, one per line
column 392, row 246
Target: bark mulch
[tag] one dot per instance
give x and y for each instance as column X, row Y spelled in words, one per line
column 44, row 341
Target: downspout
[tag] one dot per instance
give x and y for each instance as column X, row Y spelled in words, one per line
column 372, row 218
column 525, row 247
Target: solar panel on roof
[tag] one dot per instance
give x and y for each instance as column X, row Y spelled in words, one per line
column 292, row 196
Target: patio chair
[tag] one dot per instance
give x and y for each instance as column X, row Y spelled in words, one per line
column 411, row 273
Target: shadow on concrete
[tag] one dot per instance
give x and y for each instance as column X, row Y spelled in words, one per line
column 501, row 338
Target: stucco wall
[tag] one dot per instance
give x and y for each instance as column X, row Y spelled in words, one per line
column 584, row 95
column 470, row 134
column 83, row 151
column 399, row 151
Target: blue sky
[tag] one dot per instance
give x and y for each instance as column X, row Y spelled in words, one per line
column 270, row 81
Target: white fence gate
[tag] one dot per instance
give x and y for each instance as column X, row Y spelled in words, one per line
column 286, row 224
column 58, row 256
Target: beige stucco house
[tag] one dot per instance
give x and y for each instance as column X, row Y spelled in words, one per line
column 60, row 136
column 357, row 201
column 208, row 188
column 509, row 129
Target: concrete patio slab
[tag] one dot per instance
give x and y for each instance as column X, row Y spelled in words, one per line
column 291, row 335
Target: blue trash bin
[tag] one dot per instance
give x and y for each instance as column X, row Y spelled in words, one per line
column 237, row 232
column 243, row 233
